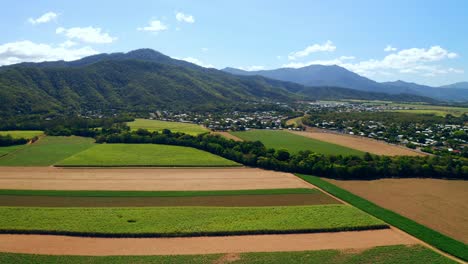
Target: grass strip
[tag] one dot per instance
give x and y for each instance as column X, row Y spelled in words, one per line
column 399, row 254
column 154, row 193
column 184, row 221
column 432, row 237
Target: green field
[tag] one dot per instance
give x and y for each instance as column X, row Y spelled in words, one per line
column 157, row 125
column 294, row 143
column 436, row 112
column 46, row 151
column 154, row 193
column 27, row 134
column 185, row 221
column 6, row 150
column 103, row 155
column 398, row 254
column 432, row 237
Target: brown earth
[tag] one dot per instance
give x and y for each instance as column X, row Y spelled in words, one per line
column 145, row 179
column 360, row 143
column 227, row 135
column 232, row 200
column 438, row 204
column 63, row 245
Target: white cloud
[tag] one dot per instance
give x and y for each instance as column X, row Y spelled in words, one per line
column 28, row 51
column 325, row 47
column 253, row 68
column 68, row 44
column 181, row 17
column 154, row 26
column 86, row 34
column 389, row 48
column 337, row 61
column 196, row 61
column 47, row 17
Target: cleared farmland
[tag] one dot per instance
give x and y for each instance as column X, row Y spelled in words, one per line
column 9, row 149
column 114, row 155
column 439, row 204
column 158, row 125
column 294, row 143
column 62, row 245
column 227, row 201
column 145, row 179
column 184, row 221
column 359, row 143
column 46, row 151
column 27, row 134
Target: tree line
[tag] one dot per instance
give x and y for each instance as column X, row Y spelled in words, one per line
column 255, row 154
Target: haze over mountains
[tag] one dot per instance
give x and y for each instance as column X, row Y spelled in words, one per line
column 322, row 75
column 144, row 80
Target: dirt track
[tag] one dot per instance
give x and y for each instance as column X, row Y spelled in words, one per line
column 359, row 143
column 234, row 200
column 63, row 245
column 438, row 204
column 227, row 135
column 148, row 179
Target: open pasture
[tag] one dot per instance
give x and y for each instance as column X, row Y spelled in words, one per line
column 115, row 155
column 295, row 143
column 46, row 151
column 184, row 221
column 9, row 149
column 27, row 134
column 158, row 125
column 146, row 179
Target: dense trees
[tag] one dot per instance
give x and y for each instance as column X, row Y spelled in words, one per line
column 8, row 140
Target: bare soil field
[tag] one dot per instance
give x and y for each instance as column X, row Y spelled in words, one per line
column 145, row 179
column 227, row 135
column 235, row 200
column 63, row 245
column 439, row 204
column 360, row 143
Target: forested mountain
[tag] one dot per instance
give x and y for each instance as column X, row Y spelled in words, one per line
column 458, row 85
column 145, row 80
column 336, row 76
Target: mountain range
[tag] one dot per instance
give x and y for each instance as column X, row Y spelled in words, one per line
column 145, row 80
column 333, row 75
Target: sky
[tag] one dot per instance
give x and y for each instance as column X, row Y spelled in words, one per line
column 416, row 41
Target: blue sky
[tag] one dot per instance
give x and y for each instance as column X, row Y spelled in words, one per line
column 418, row 41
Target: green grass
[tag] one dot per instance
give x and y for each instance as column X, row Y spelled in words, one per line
column 432, row 237
column 294, row 143
column 399, row 254
column 433, row 109
column 46, row 151
column 9, row 149
column 185, row 221
column 27, row 134
column 154, row 193
column 157, row 125
column 103, row 155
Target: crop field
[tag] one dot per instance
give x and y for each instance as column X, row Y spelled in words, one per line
column 360, row 143
column 158, row 125
column 112, row 155
column 438, row 204
column 27, row 134
column 9, row 149
column 46, row 151
column 295, row 143
column 185, row 221
column 431, row 109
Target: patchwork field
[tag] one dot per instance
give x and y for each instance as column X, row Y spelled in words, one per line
column 359, row 143
column 433, row 109
column 145, row 179
column 226, row 135
column 46, row 151
column 185, row 221
column 158, row 125
column 438, row 204
column 27, row 134
column 114, row 155
column 295, row 143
